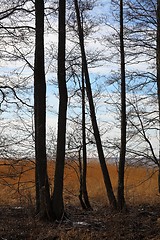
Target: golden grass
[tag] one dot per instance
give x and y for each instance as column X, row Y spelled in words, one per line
column 17, row 183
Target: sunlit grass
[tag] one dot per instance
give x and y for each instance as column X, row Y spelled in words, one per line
column 17, row 183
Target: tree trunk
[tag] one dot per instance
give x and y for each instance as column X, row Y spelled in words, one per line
column 84, row 174
column 57, row 199
column 158, row 69
column 121, row 198
column 42, row 185
column 81, row 181
column 105, row 172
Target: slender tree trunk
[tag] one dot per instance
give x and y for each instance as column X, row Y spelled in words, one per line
column 158, row 72
column 84, row 179
column 42, row 185
column 121, row 198
column 81, row 181
column 105, row 172
column 57, row 200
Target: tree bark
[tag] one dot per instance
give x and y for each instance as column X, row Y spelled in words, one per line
column 105, row 172
column 84, row 173
column 158, row 72
column 57, row 199
column 42, row 185
column 83, row 205
column 121, row 198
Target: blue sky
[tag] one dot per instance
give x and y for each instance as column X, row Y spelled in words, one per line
column 106, row 68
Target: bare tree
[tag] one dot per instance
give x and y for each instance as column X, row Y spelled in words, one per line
column 106, row 177
column 43, row 203
column 121, row 198
column 84, row 172
column 158, row 72
column 57, row 198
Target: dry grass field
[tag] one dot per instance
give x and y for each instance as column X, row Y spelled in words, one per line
column 17, row 183
column 17, row 215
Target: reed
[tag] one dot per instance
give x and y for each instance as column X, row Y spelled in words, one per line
column 17, row 183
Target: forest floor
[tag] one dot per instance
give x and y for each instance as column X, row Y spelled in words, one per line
column 139, row 222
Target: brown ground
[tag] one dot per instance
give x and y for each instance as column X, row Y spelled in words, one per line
column 140, row 222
